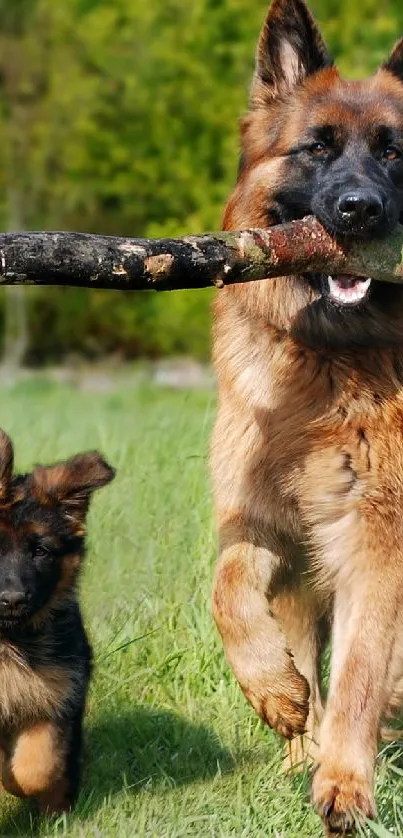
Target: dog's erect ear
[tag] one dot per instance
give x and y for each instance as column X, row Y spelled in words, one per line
column 290, row 48
column 395, row 63
column 72, row 482
column 6, row 464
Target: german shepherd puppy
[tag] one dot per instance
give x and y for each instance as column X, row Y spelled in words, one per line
column 307, row 452
column 45, row 657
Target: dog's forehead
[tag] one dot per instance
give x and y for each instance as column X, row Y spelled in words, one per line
column 16, row 525
column 7, row 536
column 352, row 105
column 24, row 516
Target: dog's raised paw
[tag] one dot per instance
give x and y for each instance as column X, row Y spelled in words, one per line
column 285, row 709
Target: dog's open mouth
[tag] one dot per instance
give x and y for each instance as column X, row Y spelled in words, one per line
column 12, row 620
column 346, row 290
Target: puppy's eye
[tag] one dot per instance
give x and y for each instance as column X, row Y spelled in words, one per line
column 391, row 152
column 318, row 149
column 40, row 552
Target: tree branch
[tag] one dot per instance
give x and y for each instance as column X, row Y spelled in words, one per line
column 92, row 261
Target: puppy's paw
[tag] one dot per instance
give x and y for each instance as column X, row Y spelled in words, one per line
column 341, row 798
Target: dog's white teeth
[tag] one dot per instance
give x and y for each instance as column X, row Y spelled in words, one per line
column 348, row 290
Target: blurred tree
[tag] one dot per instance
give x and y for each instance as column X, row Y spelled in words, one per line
column 360, row 34
column 16, row 103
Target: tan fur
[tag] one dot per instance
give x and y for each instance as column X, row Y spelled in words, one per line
column 307, row 466
column 36, row 762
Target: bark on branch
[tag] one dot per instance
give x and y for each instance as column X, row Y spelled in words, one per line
column 219, row 259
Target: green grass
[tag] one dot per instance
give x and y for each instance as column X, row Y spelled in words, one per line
column 172, row 749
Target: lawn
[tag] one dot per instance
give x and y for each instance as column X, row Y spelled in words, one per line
column 172, row 749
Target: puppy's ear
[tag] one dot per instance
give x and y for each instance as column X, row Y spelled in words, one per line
column 395, row 63
column 6, row 464
column 290, row 48
column 72, row 482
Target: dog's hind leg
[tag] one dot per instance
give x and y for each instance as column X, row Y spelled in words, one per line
column 394, row 703
column 254, row 642
column 301, row 617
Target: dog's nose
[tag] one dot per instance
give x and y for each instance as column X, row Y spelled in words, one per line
column 12, row 599
column 362, row 208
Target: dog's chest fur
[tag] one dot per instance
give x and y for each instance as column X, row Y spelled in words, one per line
column 315, row 433
column 29, row 691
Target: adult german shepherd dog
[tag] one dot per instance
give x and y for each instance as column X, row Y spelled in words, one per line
column 307, row 452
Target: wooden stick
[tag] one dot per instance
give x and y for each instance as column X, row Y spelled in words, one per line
column 92, row 261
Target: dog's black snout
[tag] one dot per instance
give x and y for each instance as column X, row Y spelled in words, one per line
column 360, row 207
column 12, row 599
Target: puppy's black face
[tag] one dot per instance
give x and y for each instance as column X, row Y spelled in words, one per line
column 39, row 558
column 42, row 528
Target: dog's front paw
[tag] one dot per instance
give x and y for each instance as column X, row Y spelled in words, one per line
column 341, row 798
column 282, row 702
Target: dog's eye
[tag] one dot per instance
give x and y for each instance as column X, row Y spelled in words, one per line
column 391, row 153
column 40, row 552
column 318, row 149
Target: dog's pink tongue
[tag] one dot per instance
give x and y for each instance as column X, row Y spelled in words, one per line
column 348, row 281
column 346, row 289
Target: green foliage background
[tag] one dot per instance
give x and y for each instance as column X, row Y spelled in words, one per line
column 120, row 117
